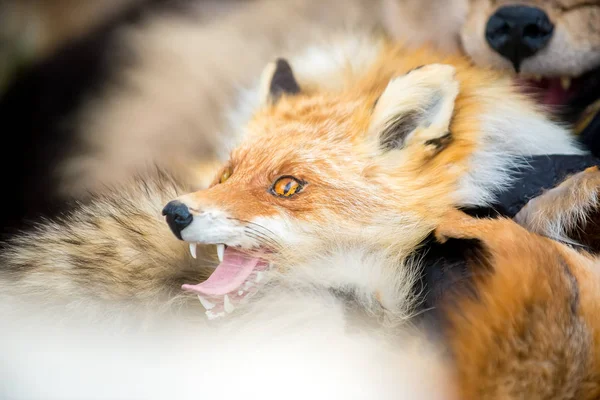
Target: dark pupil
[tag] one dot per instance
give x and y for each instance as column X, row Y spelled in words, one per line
column 288, row 187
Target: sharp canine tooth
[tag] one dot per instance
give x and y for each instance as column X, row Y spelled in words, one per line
column 247, row 285
column 193, row 249
column 205, row 303
column 211, row 315
column 241, row 292
column 220, row 251
column 228, row 306
column 565, row 83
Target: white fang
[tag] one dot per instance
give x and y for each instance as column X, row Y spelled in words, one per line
column 193, row 249
column 228, row 306
column 220, row 251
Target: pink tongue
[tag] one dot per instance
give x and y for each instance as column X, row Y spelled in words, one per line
column 555, row 94
column 228, row 276
column 550, row 90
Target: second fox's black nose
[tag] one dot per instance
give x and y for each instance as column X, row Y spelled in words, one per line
column 178, row 216
column 518, row 32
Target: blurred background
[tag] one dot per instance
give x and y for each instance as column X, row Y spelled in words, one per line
column 56, row 56
column 31, row 30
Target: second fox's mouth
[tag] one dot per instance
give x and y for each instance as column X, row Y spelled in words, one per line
column 235, row 279
column 576, row 99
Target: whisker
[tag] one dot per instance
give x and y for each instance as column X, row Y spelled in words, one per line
column 262, row 237
column 260, row 233
column 262, row 240
column 253, row 224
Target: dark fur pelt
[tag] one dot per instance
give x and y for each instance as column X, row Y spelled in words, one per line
column 116, row 249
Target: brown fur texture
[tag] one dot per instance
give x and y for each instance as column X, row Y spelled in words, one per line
column 114, row 250
column 531, row 329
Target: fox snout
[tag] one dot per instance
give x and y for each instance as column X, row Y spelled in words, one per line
column 190, row 224
column 196, row 221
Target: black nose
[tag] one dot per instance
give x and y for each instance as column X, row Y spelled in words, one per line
column 518, row 32
column 178, row 216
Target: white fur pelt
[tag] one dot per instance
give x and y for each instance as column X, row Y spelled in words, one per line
column 299, row 345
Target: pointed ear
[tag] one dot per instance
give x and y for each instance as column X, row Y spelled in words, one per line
column 416, row 107
column 277, row 79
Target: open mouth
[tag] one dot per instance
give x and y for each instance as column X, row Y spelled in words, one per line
column 576, row 100
column 235, row 279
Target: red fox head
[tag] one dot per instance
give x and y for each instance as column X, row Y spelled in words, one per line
column 321, row 169
column 370, row 165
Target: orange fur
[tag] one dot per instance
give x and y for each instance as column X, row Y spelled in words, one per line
column 531, row 330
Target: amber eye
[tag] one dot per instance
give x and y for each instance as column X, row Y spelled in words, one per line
column 287, row 186
column 225, row 175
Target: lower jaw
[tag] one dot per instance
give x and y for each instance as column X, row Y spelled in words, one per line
column 220, row 306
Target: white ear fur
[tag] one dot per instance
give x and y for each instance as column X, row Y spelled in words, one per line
column 276, row 79
column 417, row 106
